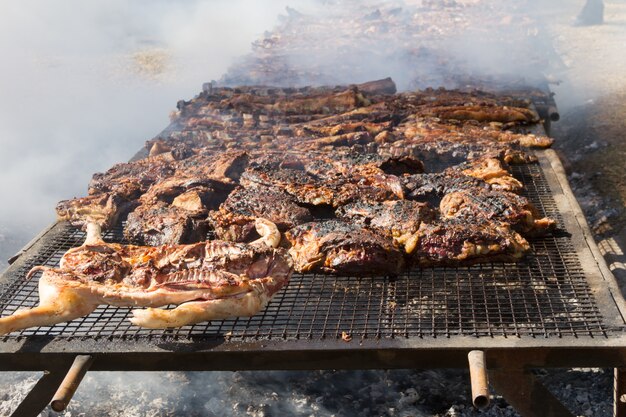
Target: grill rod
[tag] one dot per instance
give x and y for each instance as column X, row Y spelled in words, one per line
column 70, row 383
column 478, row 378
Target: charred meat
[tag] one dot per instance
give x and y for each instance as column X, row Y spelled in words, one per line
column 338, row 247
column 173, row 211
column 492, row 171
column 453, row 242
column 235, row 219
column 398, row 219
column 500, row 206
column 328, row 187
column 432, row 188
column 208, row 280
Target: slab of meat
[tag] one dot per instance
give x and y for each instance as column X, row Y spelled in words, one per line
column 441, row 146
column 454, row 242
column 437, row 155
column 490, row 170
column 122, row 188
column 358, row 161
column 114, row 193
column 331, row 188
column 304, row 187
column 432, row 188
column 165, row 224
column 500, row 206
column 223, row 167
column 173, row 211
column 398, row 219
column 427, row 128
column 337, row 247
column 482, row 113
column 104, row 209
column 139, row 175
column 235, row 219
column 207, row 281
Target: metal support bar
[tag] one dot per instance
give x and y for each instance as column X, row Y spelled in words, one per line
column 478, row 378
column 41, row 394
column 526, row 394
column 71, row 381
column 619, row 392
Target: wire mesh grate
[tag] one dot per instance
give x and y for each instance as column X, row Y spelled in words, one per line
column 545, row 295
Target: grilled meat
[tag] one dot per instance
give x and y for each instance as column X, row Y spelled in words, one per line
column 437, row 155
column 114, row 193
column 453, row 242
column 165, row 224
column 426, row 128
column 235, row 219
column 492, row 171
column 329, row 186
column 482, row 113
column 431, row 188
column 133, row 178
column 338, row 247
column 399, row 219
column 208, row 280
column 222, row 168
column 355, row 161
column 305, row 188
column 500, row 206
column 355, row 152
column 173, row 211
column 104, row 209
column 147, row 181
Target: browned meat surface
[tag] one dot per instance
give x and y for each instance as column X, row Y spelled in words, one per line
column 492, row 171
column 207, row 281
column 187, row 192
column 103, row 209
column 338, row 247
column 173, row 212
column 136, row 176
column 482, row 113
column 235, row 219
column 155, row 179
column 304, row 187
column 425, row 127
column 500, row 206
column 399, row 219
column 432, row 187
column 328, row 185
column 165, row 224
column 294, row 156
column 454, row 242
column 224, row 167
column 357, row 161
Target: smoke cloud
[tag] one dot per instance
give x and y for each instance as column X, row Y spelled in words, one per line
column 83, row 85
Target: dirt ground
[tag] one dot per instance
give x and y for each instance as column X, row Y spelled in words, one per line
column 591, row 135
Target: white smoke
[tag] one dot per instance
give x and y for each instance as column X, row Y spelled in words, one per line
column 83, row 85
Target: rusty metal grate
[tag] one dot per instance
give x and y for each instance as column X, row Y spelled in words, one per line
column 546, row 295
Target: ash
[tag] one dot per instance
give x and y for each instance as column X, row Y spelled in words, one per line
column 397, row 393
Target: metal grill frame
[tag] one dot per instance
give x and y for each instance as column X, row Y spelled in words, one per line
column 188, row 350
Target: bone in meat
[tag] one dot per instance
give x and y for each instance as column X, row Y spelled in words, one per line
column 207, row 280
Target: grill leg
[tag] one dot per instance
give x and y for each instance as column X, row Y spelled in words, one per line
column 526, row 394
column 41, row 394
column 619, row 392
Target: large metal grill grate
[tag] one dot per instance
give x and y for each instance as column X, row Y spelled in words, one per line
column 546, row 295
